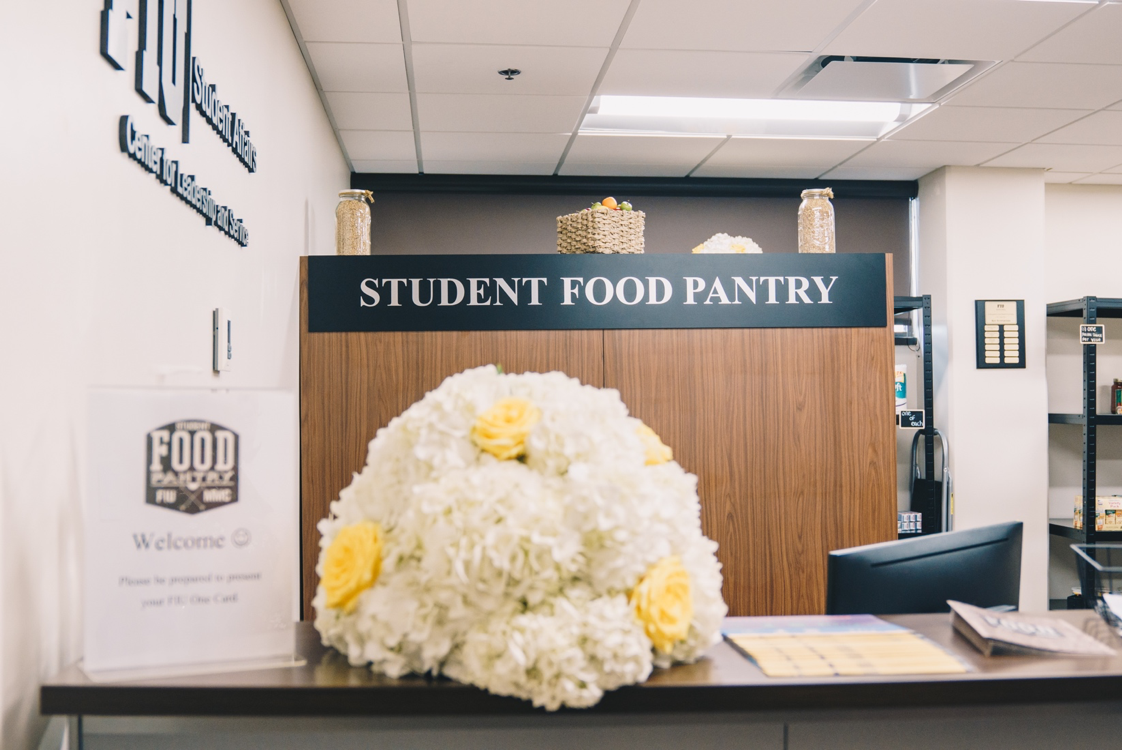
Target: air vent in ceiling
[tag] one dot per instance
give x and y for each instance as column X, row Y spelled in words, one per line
column 894, row 79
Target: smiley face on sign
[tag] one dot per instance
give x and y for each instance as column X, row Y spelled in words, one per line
column 192, row 466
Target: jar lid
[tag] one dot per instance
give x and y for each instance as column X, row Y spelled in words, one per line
column 819, row 193
column 357, row 195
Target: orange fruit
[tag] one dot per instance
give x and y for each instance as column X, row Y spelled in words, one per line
column 609, row 202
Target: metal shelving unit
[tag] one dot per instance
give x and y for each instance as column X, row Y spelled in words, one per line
column 929, row 505
column 1090, row 309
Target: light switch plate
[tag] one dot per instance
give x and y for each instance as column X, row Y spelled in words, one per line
column 223, row 329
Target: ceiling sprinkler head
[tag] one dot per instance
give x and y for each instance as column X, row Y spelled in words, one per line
column 510, row 73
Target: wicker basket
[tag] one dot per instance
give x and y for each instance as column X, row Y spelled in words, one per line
column 601, row 232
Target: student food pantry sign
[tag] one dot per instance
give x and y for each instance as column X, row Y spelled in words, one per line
column 167, row 76
column 556, row 292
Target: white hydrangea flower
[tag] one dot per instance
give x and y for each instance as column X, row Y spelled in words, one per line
column 514, row 575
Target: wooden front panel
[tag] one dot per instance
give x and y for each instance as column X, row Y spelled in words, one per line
column 790, row 431
column 351, row 384
column 791, row 434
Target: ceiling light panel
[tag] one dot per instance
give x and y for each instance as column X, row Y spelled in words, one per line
column 951, row 29
column 698, row 73
column 352, row 66
column 1064, row 158
column 1101, row 128
column 440, row 166
column 994, row 124
column 1057, row 86
column 735, row 25
column 573, row 23
column 379, row 144
column 748, row 117
column 927, row 155
column 497, row 113
column 1094, row 38
column 403, row 166
column 347, row 20
column 772, row 152
column 529, row 147
column 473, row 69
column 847, row 172
column 370, row 111
column 625, row 149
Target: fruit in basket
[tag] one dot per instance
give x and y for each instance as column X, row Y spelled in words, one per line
column 609, row 202
column 625, row 206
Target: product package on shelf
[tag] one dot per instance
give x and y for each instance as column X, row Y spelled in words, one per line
column 608, row 227
column 1108, row 512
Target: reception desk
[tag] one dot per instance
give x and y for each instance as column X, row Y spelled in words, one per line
column 722, row 701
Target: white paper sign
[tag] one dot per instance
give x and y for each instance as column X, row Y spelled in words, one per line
column 191, row 531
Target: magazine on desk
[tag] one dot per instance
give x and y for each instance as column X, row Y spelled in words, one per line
column 997, row 633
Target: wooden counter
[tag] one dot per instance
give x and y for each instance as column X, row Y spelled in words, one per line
column 724, row 681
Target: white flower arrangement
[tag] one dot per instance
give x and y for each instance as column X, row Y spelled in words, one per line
column 523, row 534
column 722, row 243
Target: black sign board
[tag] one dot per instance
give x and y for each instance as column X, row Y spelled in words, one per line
column 910, row 419
column 557, row 292
column 1094, row 333
column 1000, row 334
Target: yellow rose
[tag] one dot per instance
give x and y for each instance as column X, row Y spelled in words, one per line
column 502, row 430
column 352, row 564
column 663, row 603
column 657, row 452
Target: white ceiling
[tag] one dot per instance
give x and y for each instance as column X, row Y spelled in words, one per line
column 412, row 85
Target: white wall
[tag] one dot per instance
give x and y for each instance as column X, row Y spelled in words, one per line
column 107, row 279
column 982, row 237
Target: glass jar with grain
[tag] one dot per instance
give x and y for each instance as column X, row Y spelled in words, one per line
column 816, row 222
column 352, row 222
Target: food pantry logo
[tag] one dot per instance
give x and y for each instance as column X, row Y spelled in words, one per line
column 192, row 466
column 169, row 77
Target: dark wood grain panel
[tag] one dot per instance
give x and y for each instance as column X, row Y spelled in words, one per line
column 791, row 435
column 351, row 384
column 790, row 431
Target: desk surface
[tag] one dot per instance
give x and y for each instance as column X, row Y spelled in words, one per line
column 723, row 681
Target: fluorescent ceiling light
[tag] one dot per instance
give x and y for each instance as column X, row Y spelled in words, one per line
column 748, row 109
column 763, row 118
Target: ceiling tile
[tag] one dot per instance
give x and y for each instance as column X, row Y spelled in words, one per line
column 347, row 20
column 783, row 152
column 698, row 73
column 473, row 69
column 540, row 147
column 1101, row 179
column 772, row 173
column 393, row 166
column 847, row 172
column 1062, row 158
column 1091, row 39
column 499, row 113
column 735, row 25
column 1063, row 177
column 1055, row 86
column 349, row 66
column 927, row 154
column 382, row 145
column 656, row 150
column 620, row 169
column 489, row 167
column 1103, row 128
column 370, row 111
column 995, row 124
column 954, row 29
column 575, row 23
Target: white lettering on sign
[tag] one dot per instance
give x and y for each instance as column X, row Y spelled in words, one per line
column 598, row 291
